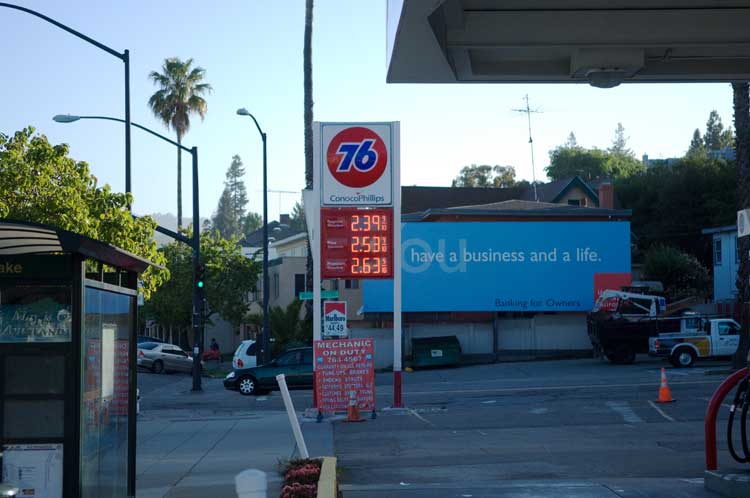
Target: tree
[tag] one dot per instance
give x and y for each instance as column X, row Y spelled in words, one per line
column 620, row 142
column 229, row 279
column 697, row 146
column 229, row 218
column 716, row 137
column 681, row 274
column 571, row 142
column 566, row 162
column 742, row 147
column 308, row 122
column 180, row 94
column 251, row 222
column 39, row 182
column 672, row 204
column 288, row 329
column 298, row 217
column 485, row 176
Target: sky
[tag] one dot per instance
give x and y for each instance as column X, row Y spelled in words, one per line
column 252, row 53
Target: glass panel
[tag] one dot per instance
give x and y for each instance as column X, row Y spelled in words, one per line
column 35, row 313
column 104, row 392
column 288, row 359
column 35, row 374
column 307, row 357
column 148, row 345
column 33, row 419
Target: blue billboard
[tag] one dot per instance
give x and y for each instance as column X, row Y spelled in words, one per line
column 503, row 266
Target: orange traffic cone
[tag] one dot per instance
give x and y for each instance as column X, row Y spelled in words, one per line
column 352, row 412
column 665, row 396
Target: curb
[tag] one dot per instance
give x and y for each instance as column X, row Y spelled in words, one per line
column 734, row 484
column 327, row 483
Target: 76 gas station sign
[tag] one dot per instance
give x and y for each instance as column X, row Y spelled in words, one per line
column 354, row 215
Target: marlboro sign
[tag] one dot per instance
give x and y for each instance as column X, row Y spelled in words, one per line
column 334, row 319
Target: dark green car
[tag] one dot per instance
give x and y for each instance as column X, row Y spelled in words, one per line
column 296, row 364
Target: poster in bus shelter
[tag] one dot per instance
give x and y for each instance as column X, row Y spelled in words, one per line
column 343, row 366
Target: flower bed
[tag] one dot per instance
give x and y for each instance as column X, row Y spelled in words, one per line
column 301, row 478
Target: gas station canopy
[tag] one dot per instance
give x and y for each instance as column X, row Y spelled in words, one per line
column 601, row 42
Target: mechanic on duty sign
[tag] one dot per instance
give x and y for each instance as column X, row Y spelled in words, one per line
column 334, row 319
column 342, row 366
column 356, row 164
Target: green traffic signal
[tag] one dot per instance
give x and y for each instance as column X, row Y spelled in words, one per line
column 200, row 284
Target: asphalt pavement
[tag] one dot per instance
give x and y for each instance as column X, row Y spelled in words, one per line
column 555, row 428
column 568, row 428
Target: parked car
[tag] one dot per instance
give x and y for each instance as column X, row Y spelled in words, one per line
column 145, row 338
column 296, row 364
column 162, row 357
column 246, row 355
column 705, row 338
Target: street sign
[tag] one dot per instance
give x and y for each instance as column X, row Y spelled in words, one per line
column 357, row 166
column 743, row 222
column 308, row 295
column 334, row 319
column 356, row 243
column 342, row 366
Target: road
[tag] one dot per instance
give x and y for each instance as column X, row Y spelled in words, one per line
column 574, row 428
column 577, row 427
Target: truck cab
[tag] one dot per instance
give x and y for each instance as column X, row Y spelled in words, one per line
column 698, row 338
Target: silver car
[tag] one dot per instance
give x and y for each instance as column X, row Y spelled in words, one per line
column 163, row 358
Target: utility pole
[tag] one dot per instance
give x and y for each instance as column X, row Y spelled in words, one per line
column 528, row 111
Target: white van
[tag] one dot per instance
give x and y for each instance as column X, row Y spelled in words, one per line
column 245, row 356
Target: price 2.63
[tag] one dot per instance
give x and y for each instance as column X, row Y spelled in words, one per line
column 369, row 266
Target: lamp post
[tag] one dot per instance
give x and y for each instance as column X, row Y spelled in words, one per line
column 266, row 334
column 124, row 57
column 194, row 242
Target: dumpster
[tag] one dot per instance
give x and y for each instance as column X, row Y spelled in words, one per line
column 67, row 364
column 435, row 351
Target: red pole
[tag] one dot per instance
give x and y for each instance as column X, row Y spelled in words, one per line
column 712, row 412
column 396, row 389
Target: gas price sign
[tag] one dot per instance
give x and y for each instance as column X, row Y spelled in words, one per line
column 356, row 243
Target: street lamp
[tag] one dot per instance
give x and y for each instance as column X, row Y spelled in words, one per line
column 265, row 337
column 194, row 242
column 124, row 57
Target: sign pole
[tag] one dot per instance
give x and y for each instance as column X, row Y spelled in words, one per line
column 396, row 165
column 316, row 252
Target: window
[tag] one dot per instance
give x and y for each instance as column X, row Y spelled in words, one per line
column 717, row 252
column 276, row 286
column 148, row 345
column 251, row 349
column 289, row 359
column 307, row 357
column 351, row 284
column 299, row 284
column 574, row 202
column 728, row 328
column 736, row 250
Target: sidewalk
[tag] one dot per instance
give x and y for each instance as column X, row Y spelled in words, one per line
column 199, row 457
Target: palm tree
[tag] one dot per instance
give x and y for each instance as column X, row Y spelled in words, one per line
column 180, row 94
column 741, row 92
column 308, row 118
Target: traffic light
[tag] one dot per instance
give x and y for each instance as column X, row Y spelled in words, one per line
column 200, row 276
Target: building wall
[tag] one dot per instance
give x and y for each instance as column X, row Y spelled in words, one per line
column 557, row 333
column 725, row 268
column 577, row 193
column 283, row 275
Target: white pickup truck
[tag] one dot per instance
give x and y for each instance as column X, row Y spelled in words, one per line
column 698, row 338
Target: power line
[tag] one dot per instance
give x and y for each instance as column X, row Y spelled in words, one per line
column 528, row 111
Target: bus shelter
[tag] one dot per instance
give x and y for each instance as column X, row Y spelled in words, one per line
column 68, row 307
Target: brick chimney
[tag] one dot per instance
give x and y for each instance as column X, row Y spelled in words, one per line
column 606, row 195
column 285, row 219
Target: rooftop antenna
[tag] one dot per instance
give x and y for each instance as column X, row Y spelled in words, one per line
column 528, row 111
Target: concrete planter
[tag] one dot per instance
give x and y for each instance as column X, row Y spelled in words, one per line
column 327, row 483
